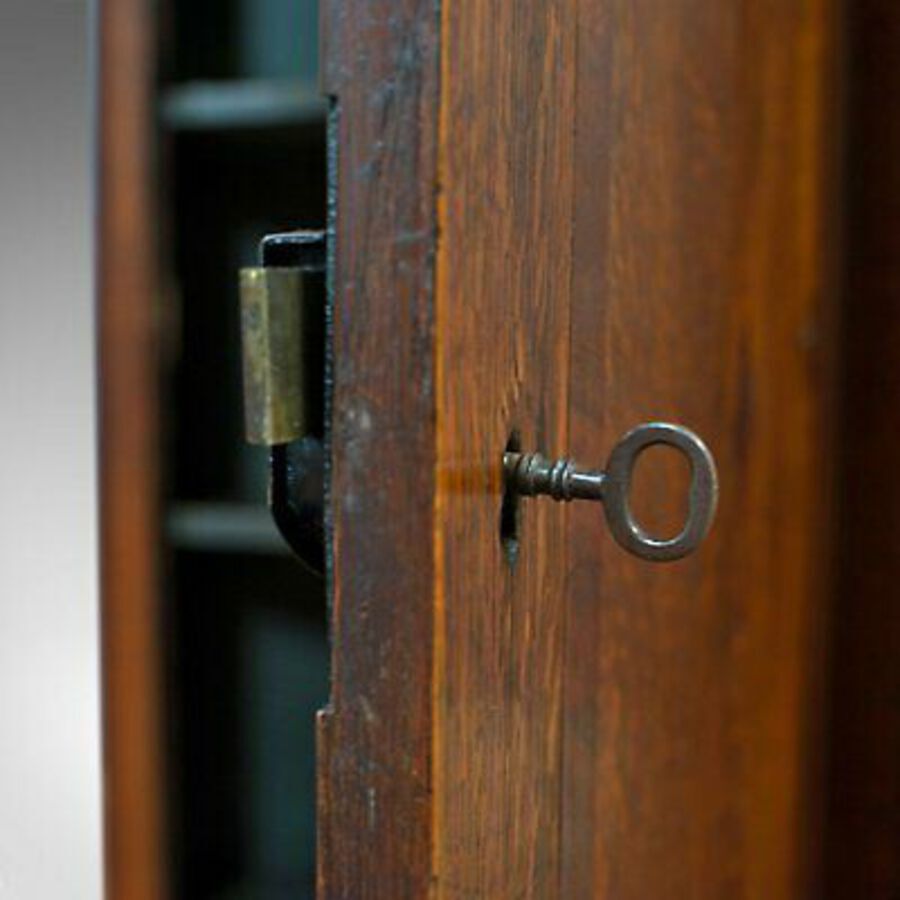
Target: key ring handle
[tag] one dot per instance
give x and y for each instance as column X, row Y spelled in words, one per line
column 703, row 492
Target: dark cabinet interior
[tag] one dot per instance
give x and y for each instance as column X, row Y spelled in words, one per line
column 241, row 152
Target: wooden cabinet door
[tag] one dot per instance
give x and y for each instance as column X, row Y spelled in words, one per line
column 128, row 358
column 553, row 221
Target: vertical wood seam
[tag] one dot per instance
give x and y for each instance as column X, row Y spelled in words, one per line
column 567, row 562
column 439, row 651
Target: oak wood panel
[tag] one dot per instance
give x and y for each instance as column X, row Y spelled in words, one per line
column 375, row 738
column 864, row 774
column 504, row 271
column 703, row 294
column 129, row 481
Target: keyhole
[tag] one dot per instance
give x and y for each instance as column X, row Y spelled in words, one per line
column 509, row 510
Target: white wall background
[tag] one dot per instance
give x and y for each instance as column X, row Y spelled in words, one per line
column 50, row 835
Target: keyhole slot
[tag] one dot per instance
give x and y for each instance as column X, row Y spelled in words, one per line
column 510, row 512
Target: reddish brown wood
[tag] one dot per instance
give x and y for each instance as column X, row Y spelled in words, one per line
column 864, row 823
column 507, row 181
column 631, row 210
column 703, row 294
column 375, row 740
column 128, row 455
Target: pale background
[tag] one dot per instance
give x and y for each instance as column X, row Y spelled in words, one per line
column 50, row 835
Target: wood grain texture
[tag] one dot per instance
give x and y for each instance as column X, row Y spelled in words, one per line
column 631, row 206
column 375, row 739
column 504, row 271
column 864, row 812
column 702, row 295
column 129, row 482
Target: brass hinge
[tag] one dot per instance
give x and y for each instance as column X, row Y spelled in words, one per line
column 272, row 335
column 280, row 316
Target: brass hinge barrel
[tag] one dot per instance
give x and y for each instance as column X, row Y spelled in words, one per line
column 272, row 328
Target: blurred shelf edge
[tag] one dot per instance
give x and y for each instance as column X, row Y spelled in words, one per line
column 224, row 528
column 234, row 105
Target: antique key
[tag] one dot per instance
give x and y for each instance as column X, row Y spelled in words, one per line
column 531, row 474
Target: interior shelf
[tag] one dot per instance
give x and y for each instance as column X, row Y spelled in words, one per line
column 224, row 528
column 241, row 104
